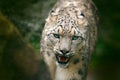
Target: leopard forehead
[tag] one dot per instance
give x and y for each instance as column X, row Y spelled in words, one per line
column 68, row 14
column 68, row 20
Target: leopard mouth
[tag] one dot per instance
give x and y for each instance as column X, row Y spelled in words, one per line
column 62, row 59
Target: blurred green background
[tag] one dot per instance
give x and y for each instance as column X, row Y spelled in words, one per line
column 28, row 18
column 106, row 60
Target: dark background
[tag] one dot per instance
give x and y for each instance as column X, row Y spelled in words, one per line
column 21, row 23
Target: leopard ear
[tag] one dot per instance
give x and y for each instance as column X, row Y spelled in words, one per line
column 82, row 22
column 54, row 12
column 51, row 19
column 52, row 15
column 80, row 15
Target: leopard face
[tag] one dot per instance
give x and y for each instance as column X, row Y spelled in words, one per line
column 66, row 35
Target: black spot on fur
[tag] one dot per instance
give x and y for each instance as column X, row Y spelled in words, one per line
column 48, row 53
column 73, row 79
column 84, row 76
column 83, row 58
column 80, row 72
column 85, row 65
column 76, row 61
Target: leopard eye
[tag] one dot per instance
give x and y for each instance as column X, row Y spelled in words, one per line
column 56, row 35
column 75, row 37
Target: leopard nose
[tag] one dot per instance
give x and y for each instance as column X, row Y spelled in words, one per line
column 64, row 51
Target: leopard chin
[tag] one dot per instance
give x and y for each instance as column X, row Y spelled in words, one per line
column 62, row 65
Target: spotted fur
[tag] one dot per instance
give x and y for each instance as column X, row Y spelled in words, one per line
column 71, row 28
